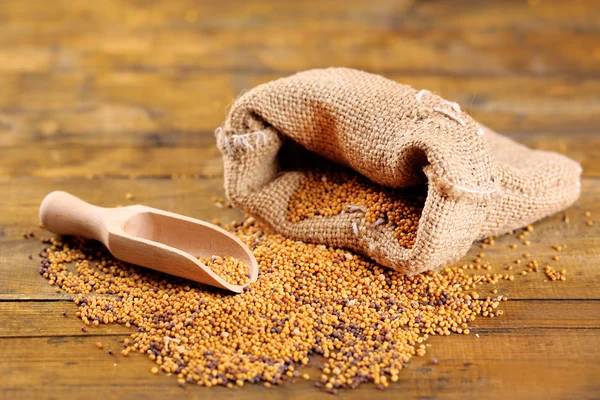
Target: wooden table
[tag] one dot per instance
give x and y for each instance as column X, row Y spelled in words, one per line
column 106, row 97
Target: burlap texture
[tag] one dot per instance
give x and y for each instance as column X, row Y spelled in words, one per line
column 478, row 182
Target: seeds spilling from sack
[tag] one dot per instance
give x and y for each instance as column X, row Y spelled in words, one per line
column 334, row 192
column 366, row 321
column 230, row 269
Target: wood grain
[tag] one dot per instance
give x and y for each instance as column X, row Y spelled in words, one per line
column 97, row 108
column 491, row 366
column 46, row 319
column 167, row 36
column 108, row 97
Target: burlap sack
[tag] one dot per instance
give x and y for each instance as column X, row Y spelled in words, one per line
column 479, row 183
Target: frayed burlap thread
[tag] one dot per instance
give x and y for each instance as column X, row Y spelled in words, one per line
column 478, row 182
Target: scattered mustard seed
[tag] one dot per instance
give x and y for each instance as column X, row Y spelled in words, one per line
column 367, row 322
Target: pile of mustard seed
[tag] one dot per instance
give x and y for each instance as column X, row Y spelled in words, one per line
column 366, row 321
column 230, row 269
column 332, row 192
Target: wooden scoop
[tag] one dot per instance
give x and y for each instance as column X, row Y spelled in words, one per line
column 149, row 237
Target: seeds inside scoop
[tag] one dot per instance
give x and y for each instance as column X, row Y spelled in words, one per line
column 230, row 269
column 333, row 192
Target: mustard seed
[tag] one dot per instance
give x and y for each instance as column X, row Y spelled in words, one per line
column 363, row 319
column 230, row 269
column 332, row 192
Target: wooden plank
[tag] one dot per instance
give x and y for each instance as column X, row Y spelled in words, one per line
column 515, row 14
column 19, row 278
column 129, row 37
column 126, row 108
column 332, row 14
column 81, row 161
column 533, row 364
column 176, row 155
column 46, row 319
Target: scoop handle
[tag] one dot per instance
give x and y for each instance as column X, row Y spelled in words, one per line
column 64, row 214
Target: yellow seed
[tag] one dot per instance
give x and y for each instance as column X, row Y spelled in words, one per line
column 332, row 192
column 230, row 269
column 308, row 298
